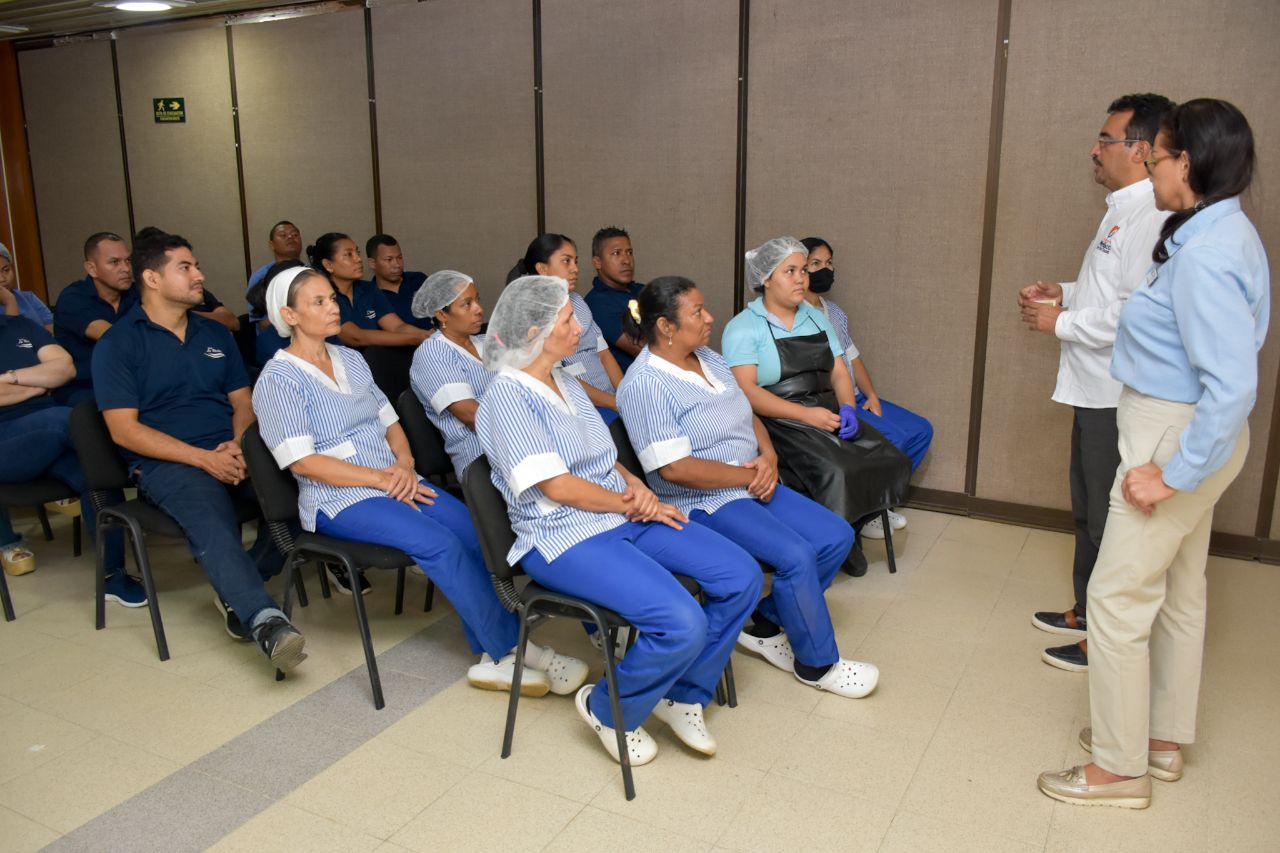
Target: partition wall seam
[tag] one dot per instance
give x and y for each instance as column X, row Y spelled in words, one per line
column 539, row 166
column 373, row 122
column 986, row 264
column 740, row 168
column 1270, row 470
column 235, row 130
column 124, row 149
column 30, row 177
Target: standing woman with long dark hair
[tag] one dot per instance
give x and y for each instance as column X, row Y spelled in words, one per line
column 1186, row 351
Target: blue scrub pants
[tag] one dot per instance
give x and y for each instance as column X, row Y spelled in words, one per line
column 905, row 430
column 805, row 543
column 683, row 646
column 442, row 541
column 203, row 507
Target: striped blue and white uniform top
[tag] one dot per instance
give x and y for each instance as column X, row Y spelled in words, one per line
column 301, row 411
column 840, row 322
column 585, row 364
column 442, row 374
column 530, row 435
column 672, row 413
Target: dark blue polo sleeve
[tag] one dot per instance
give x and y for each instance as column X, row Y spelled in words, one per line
column 74, row 311
column 607, row 312
column 381, row 304
column 115, row 371
column 236, row 376
column 36, row 333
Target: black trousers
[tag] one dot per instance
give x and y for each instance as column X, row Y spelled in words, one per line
column 1095, row 457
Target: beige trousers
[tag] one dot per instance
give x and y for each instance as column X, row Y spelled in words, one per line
column 1147, row 595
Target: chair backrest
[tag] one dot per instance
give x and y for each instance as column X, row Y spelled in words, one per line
column 489, row 515
column 626, row 453
column 247, row 341
column 100, row 460
column 275, row 487
column 390, row 368
column 425, row 441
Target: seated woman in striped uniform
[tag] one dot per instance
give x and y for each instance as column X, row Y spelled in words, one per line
column 706, row 453
column 448, row 375
column 326, row 421
column 591, row 362
column 588, row 528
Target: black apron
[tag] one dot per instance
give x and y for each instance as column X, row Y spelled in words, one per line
column 851, row 478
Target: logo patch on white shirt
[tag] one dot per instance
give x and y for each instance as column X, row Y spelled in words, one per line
column 24, row 343
column 214, row 352
column 1104, row 245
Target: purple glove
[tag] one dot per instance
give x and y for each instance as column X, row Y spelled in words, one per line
column 849, row 426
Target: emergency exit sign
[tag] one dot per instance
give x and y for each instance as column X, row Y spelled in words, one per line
column 170, row 110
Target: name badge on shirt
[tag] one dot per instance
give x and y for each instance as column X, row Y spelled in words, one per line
column 575, row 369
column 1152, row 275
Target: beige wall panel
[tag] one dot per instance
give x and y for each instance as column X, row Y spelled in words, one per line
column 183, row 176
column 455, row 134
column 640, row 119
column 871, row 130
column 74, row 136
column 304, row 127
column 1058, row 91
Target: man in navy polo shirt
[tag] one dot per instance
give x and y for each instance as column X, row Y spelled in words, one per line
column 387, row 263
column 613, row 287
column 87, row 308
column 176, row 398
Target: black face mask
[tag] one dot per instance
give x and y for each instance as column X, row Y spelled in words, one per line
column 821, row 281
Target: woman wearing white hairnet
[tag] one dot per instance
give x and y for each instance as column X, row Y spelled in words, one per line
column 448, row 374
column 786, row 356
column 586, row 527
column 325, row 420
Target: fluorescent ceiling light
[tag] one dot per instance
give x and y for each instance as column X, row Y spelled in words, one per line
column 13, row 29
column 144, row 5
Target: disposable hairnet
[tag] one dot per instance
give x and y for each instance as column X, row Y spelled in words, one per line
column 522, row 319
column 4, row 252
column 278, row 297
column 438, row 291
column 764, row 259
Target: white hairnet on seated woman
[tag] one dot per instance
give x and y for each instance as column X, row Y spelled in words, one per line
column 522, row 319
column 278, row 296
column 439, row 291
column 764, row 259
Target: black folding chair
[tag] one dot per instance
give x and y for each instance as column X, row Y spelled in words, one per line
column 36, row 493
column 104, row 472
column 390, row 368
column 277, row 493
column 426, row 442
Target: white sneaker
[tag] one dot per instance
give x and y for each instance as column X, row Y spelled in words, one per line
column 896, row 520
column 566, row 674
column 492, row 674
column 848, row 678
column 686, row 722
column 874, row 529
column 641, row 748
column 776, row 650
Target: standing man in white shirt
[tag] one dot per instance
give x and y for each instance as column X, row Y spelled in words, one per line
column 1083, row 315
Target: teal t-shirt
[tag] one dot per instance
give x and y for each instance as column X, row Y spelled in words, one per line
column 747, row 338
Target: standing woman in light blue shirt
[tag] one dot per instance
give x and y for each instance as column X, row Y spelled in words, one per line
column 1186, row 350
column 587, row 527
column 704, row 451
column 325, row 420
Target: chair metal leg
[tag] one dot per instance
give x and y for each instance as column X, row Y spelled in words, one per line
column 362, row 621
column 399, row 590
column 429, row 601
column 513, row 702
column 301, row 587
column 43, row 515
column 619, row 724
column 100, row 573
column 148, row 582
column 888, row 541
column 292, row 580
column 324, row 581
column 5, row 600
column 77, row 535
column 730, row 685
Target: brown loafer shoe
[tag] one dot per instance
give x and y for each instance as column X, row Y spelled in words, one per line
column 1164, row 764
column 1070, row 786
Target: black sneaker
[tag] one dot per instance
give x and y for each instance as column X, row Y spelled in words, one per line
column 1067, row 624
column 1072, row 658
column 856, row 563
column 342, row 583
column 235, row 628
column 281, row 642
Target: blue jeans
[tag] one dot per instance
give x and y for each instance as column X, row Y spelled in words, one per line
column 682, row 646
column 904, row 429
column 203, row 507
column 805, row 543
column 442, row 541
column 39, row 444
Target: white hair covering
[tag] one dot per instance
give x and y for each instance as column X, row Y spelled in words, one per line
column 522, row 320
column 765, row 258
column 278, row 297
column 439, row 291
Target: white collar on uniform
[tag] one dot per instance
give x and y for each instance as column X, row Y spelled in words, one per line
column 477, row 341
column 342, row 386
column 560, row 401
column 708, row 379
column 1136, row 191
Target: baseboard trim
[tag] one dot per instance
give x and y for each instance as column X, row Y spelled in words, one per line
column 1233, row 545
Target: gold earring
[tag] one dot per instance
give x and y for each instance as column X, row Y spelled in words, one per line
column 668, row 340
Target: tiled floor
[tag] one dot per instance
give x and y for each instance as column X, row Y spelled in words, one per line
column 103, row 746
